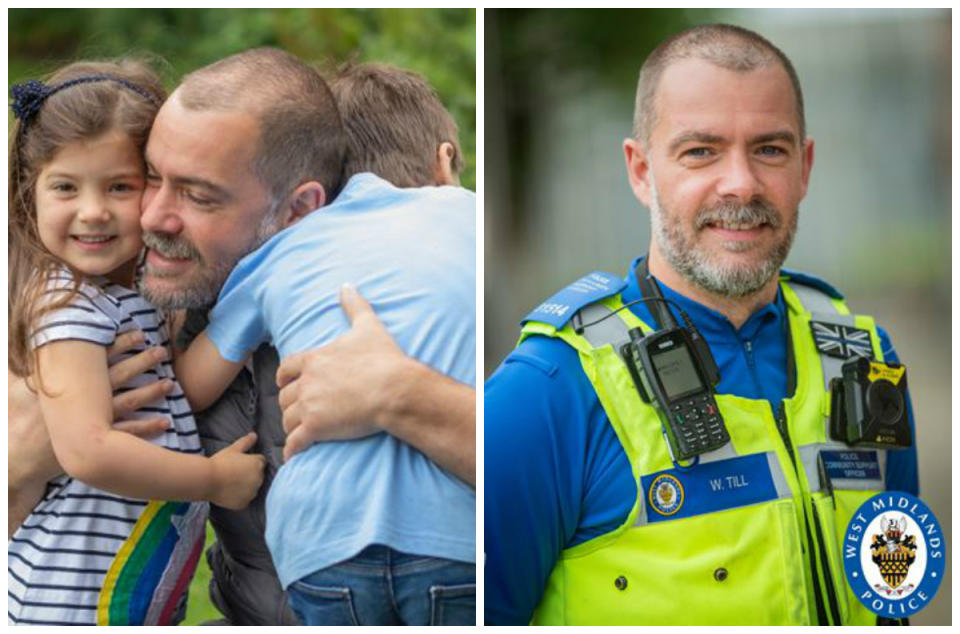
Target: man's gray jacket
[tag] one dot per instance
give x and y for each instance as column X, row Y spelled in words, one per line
column 244, row 586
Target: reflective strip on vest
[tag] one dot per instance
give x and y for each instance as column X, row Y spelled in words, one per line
column 606, row 330
column 864, row 470
column 832, row 365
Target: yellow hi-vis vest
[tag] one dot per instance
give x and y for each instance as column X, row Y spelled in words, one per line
column 691, row 551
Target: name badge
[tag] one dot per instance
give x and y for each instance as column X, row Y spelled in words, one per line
column 708, row 487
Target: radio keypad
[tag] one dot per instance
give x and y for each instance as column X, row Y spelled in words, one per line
column 699, row 427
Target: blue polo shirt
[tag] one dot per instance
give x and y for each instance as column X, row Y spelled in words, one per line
column 555, row 474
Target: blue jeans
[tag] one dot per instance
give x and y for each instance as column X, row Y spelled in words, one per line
column 381, row 586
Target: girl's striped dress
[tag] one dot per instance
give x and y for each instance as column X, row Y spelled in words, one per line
column 89, row 557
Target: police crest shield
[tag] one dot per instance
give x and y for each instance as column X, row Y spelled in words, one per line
column 893, row 551
column 666, row 494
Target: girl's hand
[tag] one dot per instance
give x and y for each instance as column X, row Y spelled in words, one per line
column 237, row 475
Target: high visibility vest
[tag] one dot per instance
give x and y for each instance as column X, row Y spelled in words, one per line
column 752, row 532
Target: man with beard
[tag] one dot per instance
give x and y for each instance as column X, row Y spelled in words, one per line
column 588, row 518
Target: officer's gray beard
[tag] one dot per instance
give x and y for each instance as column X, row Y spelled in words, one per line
column 697, row 265
column 206, row 282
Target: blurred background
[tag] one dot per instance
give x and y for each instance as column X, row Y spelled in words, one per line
column 438, row 43
column 559, row 88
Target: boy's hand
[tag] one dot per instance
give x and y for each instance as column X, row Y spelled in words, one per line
column 237, row 475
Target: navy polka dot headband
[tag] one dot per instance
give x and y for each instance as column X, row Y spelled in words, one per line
column 30, row 95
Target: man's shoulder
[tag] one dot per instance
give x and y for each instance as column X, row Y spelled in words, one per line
column 810, row 281
column 818, row 284
column 537, row 375
column 539, row 358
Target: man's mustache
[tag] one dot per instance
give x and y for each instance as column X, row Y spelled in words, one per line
column 171, row 247
column 754, row 212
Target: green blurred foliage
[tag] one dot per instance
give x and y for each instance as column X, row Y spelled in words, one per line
column 438, row 43
column 602, row 48
column 610, row 44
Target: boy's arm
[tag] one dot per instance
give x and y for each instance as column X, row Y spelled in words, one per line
column 203, row 373
column 76, row 404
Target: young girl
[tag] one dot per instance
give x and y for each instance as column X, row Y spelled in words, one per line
column 94, row 550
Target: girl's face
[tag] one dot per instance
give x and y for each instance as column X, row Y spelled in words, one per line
column 88, row 205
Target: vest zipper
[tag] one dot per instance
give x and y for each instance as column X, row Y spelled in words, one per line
column 784, row 434
column 781, row 420
column 828, row 578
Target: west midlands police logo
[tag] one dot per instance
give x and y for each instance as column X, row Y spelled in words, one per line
column 894, row 554
column 666, row 494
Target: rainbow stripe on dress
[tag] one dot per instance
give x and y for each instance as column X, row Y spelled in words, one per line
column 150, row 573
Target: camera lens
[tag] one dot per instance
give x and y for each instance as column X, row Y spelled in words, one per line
column 884, row 402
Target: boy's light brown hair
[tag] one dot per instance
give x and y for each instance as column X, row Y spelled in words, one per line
column 395, row 124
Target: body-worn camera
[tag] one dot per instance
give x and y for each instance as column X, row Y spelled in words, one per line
column 868, row 405
column 671, row 374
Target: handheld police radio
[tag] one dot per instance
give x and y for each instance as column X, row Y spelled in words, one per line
column 675, row 372
column 671, row 375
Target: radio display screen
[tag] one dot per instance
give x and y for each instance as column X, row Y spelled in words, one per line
column 676, row 372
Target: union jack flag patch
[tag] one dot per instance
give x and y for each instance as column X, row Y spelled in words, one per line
column 842, row 342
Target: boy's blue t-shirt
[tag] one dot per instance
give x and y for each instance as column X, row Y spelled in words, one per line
column 411, row 254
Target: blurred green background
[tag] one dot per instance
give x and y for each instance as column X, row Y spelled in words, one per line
column 559, row 90
column 438, row 43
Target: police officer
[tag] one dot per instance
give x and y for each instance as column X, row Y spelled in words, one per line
column 588, row 518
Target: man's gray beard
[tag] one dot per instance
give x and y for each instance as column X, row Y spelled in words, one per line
column 209, row 279
column 696, row 265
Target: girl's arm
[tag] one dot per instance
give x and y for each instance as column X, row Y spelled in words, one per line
column 75, row 398
column 203, row 373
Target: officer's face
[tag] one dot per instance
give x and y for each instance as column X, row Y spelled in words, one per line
column 723, row 175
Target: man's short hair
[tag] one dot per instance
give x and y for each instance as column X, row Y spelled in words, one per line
column 724, row 45
column 301, row 134
column 395, row 123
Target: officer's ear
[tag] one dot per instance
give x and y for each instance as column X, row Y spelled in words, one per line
column 305, row 198
column 807, row 157
column 638, row 171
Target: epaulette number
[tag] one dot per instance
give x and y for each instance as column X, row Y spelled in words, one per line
column 551, row 308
